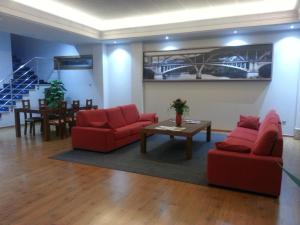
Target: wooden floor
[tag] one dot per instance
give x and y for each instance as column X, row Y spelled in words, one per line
column 36, row 190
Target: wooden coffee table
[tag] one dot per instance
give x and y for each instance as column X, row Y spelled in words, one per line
column 190, row 130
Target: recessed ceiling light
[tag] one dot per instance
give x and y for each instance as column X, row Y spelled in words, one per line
column 292, row 27
column 115, row 42
column 235, row 31
column 167, row 37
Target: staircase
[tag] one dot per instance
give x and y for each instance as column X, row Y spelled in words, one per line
column 19, row 83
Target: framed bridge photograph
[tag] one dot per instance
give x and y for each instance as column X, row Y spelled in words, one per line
column 247, row 62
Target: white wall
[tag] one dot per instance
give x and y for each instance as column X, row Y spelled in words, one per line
column 80, row 84
column 5, row 55
column 5, row 70
column 219, row 101
column 223, row 102
column 122, row 69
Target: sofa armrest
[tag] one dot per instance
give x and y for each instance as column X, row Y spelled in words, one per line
column 245, row 171
column 149, row 117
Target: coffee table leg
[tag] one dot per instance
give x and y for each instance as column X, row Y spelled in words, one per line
column 208, row 133
column 189, row 150
column 143, row 142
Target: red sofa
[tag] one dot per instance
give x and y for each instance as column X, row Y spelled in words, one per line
column 104, row 130
column 257, row 170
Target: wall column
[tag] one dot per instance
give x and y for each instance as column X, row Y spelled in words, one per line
column 137, row 75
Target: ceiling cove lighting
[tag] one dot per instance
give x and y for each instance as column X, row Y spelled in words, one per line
column 56, row 8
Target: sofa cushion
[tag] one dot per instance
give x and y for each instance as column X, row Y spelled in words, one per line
column 250, row 122
column 127, row 130
column 98, row 124
column 121, row 132
column 238, row 141
column 227, row 146
column 130, row 113
column 134, row 128
column 266, row 140
column 85, row 117
column 244, row 134
column 271, row 118
column 115, row 118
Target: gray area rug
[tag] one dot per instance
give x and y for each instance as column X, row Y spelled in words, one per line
column 164, row 158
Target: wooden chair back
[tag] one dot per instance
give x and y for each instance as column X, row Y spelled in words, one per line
column 42, row 103
column 89, row 104
column 26, row 105
column 76, row 105
column 60, row 114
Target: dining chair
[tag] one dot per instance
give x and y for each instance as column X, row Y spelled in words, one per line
column 71, row 114
column 61, row 119
column 89, row 104
column 29, row 119
column 76, row 105
column 42, row 103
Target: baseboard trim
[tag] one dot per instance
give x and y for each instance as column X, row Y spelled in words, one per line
column 220, row 130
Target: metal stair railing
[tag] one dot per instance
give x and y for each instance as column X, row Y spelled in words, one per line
column 10, row 79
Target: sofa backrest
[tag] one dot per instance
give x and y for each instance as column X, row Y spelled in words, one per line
column 269, row 139
column 130, row 113
column 84, row 118
column 115, row 117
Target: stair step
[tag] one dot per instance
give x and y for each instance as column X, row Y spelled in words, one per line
column 15, row 97
column 20, row 86
column 23, row 69
column 25, row 81
column 14, row 91
column 32, row 77
column 7, row 97
column 7, row 102
column 20, row 73
column 4, row 109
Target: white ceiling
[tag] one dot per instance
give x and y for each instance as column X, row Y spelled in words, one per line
column 69, row 26
column 105, row 15
column 116, row 9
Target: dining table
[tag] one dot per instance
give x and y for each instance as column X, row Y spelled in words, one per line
column 44, row 112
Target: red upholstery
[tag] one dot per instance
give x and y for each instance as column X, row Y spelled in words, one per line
column 118, row 128
column 245, row 171
column 257, row 171
column 240, row 133
column 149, row 117
column 250, row 122
column 98, row 124
column 229, row 146
column 84, row 118
column 115, row 117
column 266, row 140
column 130, row 113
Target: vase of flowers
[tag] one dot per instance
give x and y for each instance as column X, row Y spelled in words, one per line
column 180, row 107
